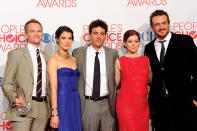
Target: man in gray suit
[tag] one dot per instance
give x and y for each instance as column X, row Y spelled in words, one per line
column 96, row 82
column 26, row 72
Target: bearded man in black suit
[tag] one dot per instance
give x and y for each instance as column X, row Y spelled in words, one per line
column 173, row 59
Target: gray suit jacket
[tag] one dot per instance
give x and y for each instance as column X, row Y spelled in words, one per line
column 111, row 56
column 19, row 68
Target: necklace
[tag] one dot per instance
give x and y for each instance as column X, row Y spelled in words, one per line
column 64, row 56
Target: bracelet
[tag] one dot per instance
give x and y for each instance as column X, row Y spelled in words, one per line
column 54, row 115
column 53, row 109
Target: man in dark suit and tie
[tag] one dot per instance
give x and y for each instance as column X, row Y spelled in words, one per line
column 25, row 83
column 96, row 82
column 173, row 59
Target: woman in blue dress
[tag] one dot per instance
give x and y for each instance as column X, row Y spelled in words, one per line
column 63, row 74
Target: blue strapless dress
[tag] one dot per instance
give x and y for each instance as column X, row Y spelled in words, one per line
column 68, row 100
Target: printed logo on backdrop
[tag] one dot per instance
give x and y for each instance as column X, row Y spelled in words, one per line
column 147, row 36
column 4, row 125
column 11, row 37
column 57, row 3
column 48, row 38
column 147, row 3
column 187, row 28
column 113, row 38
column 48, row 44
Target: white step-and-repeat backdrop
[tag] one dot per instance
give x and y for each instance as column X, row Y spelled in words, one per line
column 120, row 15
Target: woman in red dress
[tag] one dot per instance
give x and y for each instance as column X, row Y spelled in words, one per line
column 134, row 72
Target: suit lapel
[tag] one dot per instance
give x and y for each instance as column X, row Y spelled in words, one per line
column 107, row 60
column 84, row 53
column 28, row 59
column 154, row 51
column 170, row 48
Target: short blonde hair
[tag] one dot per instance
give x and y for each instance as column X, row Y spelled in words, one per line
column 31, row 21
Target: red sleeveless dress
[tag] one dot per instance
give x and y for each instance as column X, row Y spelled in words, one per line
column 132, row 105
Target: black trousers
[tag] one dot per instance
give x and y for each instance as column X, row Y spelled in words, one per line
column 175, row 115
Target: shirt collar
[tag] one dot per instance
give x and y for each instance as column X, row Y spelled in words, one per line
column 32, row 48
column 167, row 38
column 92, row 51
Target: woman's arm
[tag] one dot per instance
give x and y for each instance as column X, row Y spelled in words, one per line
column 150, row 73
column 52, row 71
column 117, row 73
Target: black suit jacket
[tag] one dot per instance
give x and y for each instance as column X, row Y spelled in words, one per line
column 180, row 73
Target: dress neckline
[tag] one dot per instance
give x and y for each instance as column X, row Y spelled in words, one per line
column 133, row 57
column 66, row 68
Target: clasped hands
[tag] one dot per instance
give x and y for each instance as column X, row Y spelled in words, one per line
column 20, row 101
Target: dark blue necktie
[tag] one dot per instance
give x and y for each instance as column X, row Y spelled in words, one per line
column 96, row 80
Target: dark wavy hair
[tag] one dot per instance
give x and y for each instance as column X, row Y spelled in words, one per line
column 97, row 23
column 62, row 29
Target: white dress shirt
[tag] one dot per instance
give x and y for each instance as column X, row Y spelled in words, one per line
column 90, row 58
column 157, row 45
column 33, row 54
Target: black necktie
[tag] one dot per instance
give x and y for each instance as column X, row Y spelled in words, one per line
column 39, row 75
column 96, row 80
column 162, row 54
column 164, row 91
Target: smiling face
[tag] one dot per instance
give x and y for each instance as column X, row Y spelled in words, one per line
column 132, row 44
column 34, row 34
column 97, row 37
column 64, row 41
column 160, row 26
